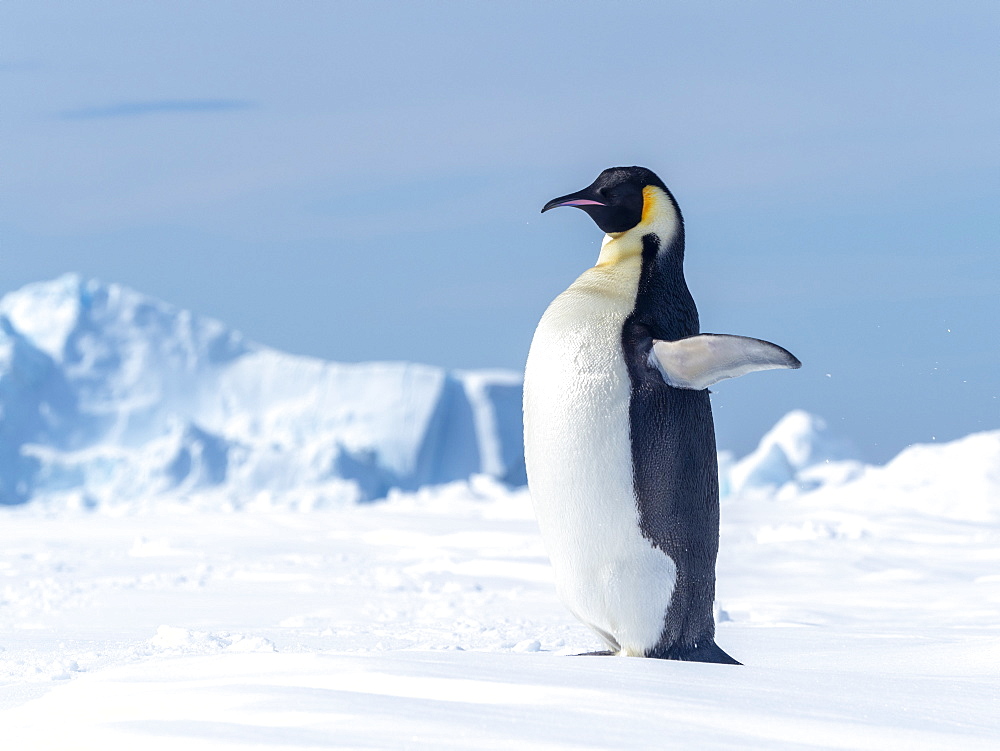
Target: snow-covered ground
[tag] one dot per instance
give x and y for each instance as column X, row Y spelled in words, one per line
column 866, row 610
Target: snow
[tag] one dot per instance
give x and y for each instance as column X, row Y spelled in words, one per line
column 799, row 449
column 190, row 570
column 865, row 614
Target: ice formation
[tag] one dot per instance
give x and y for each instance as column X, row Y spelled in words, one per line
column 107, row 395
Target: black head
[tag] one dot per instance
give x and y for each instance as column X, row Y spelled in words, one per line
column 614, row 199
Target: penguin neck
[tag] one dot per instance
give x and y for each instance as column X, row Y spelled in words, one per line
column 651, row 257
column 664, row 307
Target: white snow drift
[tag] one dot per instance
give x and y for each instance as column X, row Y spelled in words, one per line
column 865, row 615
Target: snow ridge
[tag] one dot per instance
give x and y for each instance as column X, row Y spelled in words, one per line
column 799, row 450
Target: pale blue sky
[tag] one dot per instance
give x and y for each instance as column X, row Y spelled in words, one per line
column 363, row 181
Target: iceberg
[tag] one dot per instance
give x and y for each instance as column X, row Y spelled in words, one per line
column 107, row 396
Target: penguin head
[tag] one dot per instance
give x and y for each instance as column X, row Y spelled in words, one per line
column 615, row 199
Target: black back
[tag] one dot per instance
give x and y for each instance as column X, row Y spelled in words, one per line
column 674, row 461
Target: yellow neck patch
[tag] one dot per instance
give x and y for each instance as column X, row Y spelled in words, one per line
column 652, row 198
column 658, row 217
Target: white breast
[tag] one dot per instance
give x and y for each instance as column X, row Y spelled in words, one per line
column 579, row 459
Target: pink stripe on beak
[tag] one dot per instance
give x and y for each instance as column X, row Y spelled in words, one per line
column 581, row 202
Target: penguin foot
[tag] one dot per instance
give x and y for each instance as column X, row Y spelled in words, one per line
column 600, row 653
column 707, row 651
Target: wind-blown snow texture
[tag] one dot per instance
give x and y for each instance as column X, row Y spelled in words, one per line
column 108, row 396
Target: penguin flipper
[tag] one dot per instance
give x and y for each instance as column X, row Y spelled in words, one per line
column 697, row 362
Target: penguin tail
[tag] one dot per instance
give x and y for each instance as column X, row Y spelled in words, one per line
column 704, row 651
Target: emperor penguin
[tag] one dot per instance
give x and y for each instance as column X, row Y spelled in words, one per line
column 618, row 432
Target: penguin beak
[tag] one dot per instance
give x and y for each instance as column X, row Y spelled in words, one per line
column 573, row 199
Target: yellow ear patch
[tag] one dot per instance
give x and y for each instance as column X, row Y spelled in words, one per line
column 658, row 217
column 650, row 203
